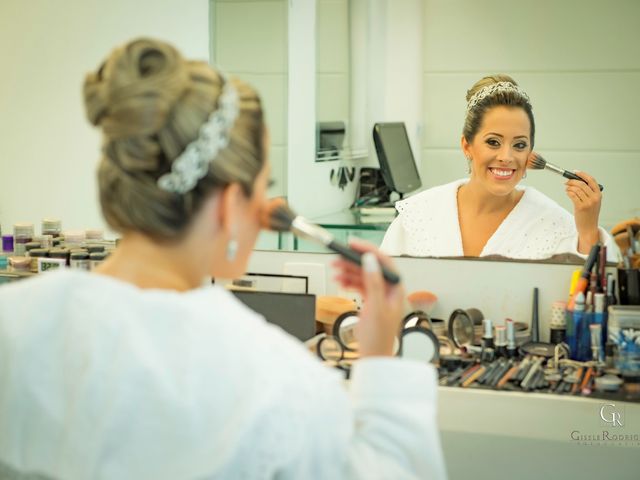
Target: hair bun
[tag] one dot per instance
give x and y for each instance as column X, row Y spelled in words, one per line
column 132, row 93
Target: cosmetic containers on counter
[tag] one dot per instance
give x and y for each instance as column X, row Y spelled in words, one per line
column 24, row 253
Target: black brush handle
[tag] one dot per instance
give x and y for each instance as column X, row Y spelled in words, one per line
column 356, row 257
column 535, row 333
column 573, row 176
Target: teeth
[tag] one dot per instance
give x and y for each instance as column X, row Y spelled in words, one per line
column 501, row 173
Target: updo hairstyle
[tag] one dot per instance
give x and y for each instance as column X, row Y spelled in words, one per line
column 150, row 104
column 509, row 98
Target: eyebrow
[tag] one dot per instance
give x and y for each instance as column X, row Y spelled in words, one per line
column 502, row 136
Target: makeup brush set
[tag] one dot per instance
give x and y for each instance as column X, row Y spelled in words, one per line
column 533, row 373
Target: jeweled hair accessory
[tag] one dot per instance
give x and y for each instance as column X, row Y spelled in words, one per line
column 193, row 164
column 492, row 89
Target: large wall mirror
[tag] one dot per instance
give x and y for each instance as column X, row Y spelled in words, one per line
column 413, row 61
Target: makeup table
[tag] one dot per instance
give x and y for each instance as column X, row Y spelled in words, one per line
column 490, row 434
column 501, row 434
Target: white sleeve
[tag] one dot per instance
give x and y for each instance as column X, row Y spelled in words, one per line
column 393, row 242
column 383, row 427
column 396, row 434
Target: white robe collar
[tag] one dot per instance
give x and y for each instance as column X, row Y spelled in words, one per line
column 531, row 230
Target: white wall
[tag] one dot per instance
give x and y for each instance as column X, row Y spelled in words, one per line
column 309, row 189
column 249, row 39
column 48, row 151
column 332, row 62
column 579, row 60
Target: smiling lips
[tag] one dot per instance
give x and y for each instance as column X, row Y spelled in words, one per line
column 502, row 173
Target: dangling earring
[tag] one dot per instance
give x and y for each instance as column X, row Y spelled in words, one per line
column 469, row 165
column 232, row 250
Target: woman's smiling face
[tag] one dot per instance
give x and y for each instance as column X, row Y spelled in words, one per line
column 500, row 149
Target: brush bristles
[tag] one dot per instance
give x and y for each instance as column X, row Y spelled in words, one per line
column 536, row 162
column 277, row 216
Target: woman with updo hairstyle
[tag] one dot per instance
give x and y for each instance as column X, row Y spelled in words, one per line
column 489, row 213
column 141, row 369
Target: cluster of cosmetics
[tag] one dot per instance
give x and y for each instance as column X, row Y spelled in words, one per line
column 586, row 317
column 597, row 328
column 25, row 252
column 471, row 352
column 530, row 372
column 573, row 362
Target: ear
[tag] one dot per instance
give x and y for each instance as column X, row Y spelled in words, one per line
column 466, row 148
column 229, row 207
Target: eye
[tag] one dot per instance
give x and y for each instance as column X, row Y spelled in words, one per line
column 493, row 142
column 271, row 183
column 521, row 145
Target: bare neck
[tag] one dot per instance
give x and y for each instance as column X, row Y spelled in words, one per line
column 148, row 264
column 474, row 198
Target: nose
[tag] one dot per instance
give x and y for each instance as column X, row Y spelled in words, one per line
column 505, row 154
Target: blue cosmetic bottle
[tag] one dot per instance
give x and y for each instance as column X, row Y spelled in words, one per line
column 575, row 327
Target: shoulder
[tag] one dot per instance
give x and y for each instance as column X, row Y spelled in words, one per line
column 39, row 288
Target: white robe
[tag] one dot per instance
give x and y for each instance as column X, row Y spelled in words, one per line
column 102, row 380
column 536, row 228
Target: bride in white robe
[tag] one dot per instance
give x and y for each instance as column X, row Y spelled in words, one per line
column 490, row 213
column 537, row 227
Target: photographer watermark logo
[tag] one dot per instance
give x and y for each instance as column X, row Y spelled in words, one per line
column 614, row 430
column 611, row 415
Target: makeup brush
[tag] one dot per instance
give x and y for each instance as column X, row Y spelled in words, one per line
column 279, row 217
column 422, row 300
column 536, row 162
column 583, row 281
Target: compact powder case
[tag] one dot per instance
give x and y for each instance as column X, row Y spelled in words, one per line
column 344, row 329
column 417, row 319
column 329, row 349
column 419, row 343
column 465, row 327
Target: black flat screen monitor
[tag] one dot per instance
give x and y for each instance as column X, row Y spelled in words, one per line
column 295, row 313
column 397, row 164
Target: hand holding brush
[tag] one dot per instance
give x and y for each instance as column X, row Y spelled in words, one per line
column 362, row 268
column 585, row 194
column 383, row 302
column 279, row 217
column 536, row 162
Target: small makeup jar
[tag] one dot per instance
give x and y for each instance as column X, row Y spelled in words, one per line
column 22, row 234
column 80, row 260
column 34, row 255
column 20, row 264
column 51, row 226
column 96, row 258
column 7, row 243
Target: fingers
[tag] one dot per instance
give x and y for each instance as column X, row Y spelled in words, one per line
column 573, row 197
column 593, row 184
column 350, row 283
column 582, row 190
column 576, row 193
column 584, row 195
column 351, row 276
column 372, row 278
column 364, row 246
